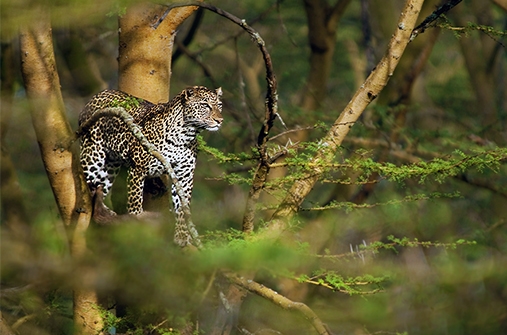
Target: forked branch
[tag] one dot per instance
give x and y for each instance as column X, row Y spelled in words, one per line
column 371, row 88
column 271, row 104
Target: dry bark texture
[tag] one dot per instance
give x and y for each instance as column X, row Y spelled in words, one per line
column 145, row 50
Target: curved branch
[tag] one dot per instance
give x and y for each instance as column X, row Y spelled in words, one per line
column 271, row 108
column 271, row 105
column 279, row 300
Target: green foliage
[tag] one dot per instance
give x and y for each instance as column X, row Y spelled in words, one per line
column 127, row 103
column 460, row 32
column 425, row 251
column 350, row 206
column 135, row 323
column 222, row 157
column 351, row 285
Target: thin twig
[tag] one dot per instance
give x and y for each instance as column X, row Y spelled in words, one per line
column 433, row 17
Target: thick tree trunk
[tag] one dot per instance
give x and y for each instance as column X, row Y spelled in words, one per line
column 145, row 52
column 60, row 155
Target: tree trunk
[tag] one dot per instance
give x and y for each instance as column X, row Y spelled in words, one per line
column 145, row 52
column 322, row 22
column 60, row 155
column 144, row 65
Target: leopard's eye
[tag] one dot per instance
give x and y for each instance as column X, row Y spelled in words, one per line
column 206, row 106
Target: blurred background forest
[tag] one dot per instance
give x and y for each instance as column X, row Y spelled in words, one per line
column 446, row 101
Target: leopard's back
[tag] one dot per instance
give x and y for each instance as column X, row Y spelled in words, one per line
column 136, row 107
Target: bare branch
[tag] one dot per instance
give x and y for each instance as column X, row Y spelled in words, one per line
column 271, row 107
column 271, row 110
column 279, row 300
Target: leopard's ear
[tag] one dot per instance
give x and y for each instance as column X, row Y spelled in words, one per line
column 219, row 92
column 188, row 92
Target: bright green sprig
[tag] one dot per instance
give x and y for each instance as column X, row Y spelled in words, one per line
column 222, row 157
column 393, row 244
column 465, row 31
column 366, row 284
column 349, row 206
column 127, row 102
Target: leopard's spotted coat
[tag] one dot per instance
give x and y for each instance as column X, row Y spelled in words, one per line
column 171, row 127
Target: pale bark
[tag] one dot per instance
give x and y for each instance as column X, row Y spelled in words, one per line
column 398, row 93
column 339, row 130
column 279, row 300
column 60, row 155
column 145, row 50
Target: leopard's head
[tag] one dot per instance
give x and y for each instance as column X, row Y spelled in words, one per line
column 203, row 107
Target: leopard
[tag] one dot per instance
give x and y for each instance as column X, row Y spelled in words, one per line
column 109, row 144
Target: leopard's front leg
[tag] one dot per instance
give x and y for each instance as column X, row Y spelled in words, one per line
column 135, row 181
column 184, row 173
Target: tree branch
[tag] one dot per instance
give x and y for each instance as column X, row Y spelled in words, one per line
column 271, row 106
column 60, row 157
column 433, row 17
column 279, row 300
column 363, row 97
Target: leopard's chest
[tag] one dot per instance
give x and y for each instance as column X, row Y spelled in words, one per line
column 178, row 146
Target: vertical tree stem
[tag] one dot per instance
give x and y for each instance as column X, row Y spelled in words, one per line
column 60, row 155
